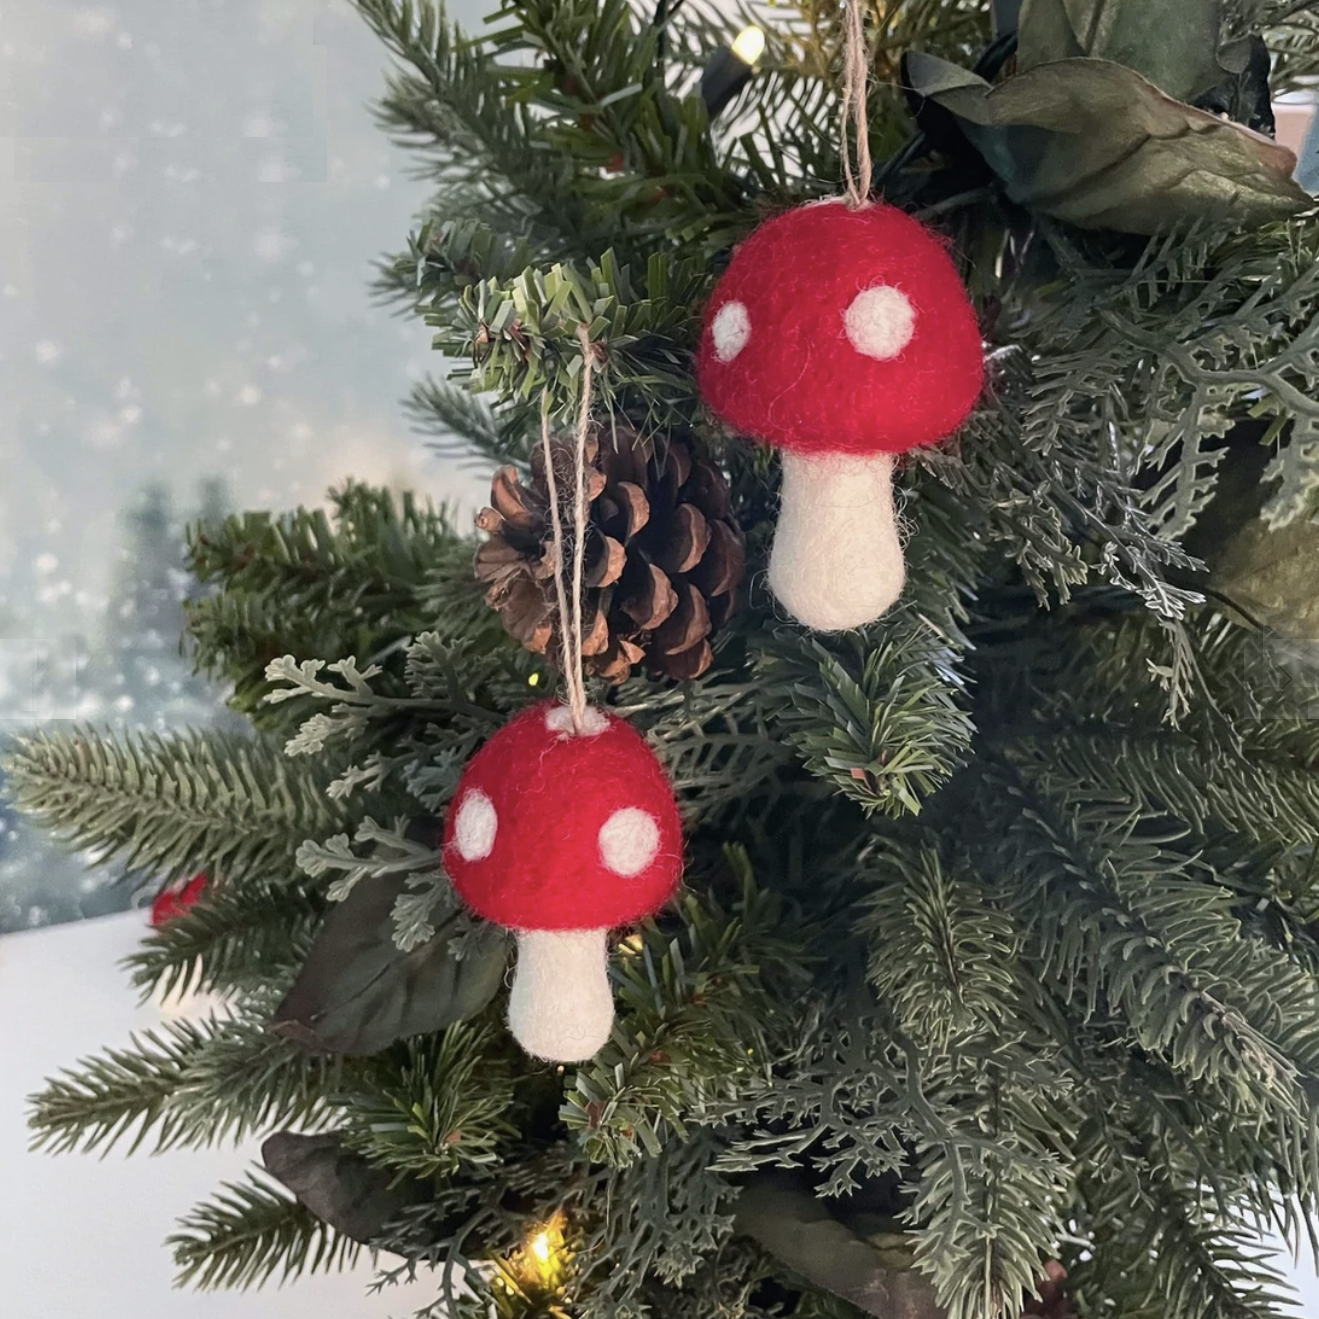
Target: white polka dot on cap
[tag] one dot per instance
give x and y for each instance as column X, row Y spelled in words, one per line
column 730, row 330
column 629, row 840
column 880, row 322
column 476, row 826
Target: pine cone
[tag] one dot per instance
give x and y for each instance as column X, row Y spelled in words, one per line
column 664, row 554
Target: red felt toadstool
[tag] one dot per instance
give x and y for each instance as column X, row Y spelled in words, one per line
column 842, row 337
column 172, row 902
column 560, row 836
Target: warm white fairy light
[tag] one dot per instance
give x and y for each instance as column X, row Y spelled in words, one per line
column 749, row 45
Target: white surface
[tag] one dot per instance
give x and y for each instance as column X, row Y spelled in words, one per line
column 559, row 720
column 81, row 1237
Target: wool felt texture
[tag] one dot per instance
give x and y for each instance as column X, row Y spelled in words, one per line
column 558, row 809
column 561, row 1006
column 172, row 902
column 784, row 369
column 837, row 559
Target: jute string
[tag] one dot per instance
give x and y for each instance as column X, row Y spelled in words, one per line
column 856, row 78
column 570, row 598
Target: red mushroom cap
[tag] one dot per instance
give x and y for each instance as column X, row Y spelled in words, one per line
column 554, row 831
column 841, row 331
column 172, row 902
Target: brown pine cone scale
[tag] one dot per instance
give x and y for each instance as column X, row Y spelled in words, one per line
column 664, row 554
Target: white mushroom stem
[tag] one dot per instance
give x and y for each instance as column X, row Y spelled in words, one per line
column 837, row 560
column 561, row 1006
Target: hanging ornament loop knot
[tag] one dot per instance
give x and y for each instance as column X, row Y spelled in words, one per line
column 852, row 110
column 568, row 579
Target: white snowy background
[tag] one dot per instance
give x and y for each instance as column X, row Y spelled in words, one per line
column 192, row 193
column 192, row 197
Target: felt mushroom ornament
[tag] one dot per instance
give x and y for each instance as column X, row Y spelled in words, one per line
column 840, row 334
column 561, row 835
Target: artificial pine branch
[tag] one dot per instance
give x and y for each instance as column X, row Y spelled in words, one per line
column 185, row 1084
column 314, row 583
column 957, row 976
column 175, row 804
column 250, row 1232
column 463, row 426
column 884, row 724
column 237, row 937
column 693, row 1005
column 419, row 1113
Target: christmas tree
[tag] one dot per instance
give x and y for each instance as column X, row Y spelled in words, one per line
column 993, row 984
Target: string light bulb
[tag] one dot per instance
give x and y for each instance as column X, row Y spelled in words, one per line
column 730, row 69
column 544, row 1256
column 749, row 45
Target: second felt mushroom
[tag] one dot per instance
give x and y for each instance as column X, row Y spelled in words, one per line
column 842, row 337
column 561, row 834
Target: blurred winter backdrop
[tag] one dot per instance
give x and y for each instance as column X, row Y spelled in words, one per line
column 191, row 198
column 192, row 194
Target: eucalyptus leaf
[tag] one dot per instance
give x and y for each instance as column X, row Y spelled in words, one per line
column 795, row 1226
column 339, row 1186
column 1096, row 144
column 1045, row 33
column 1173, row 43
column 358, row 992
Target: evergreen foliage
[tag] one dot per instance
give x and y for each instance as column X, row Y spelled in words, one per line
column 252, row 1231
column 999, row 942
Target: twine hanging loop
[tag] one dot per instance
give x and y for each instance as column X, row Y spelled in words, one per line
column 568, row 579
column 853, row 115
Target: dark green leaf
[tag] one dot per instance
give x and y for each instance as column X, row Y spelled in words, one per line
column 1006, row 13
column 341, row 1188
column 1243, row 94
column 1096, row 144
column 795, row 1226
column 1173, row 43
column 357, row 993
